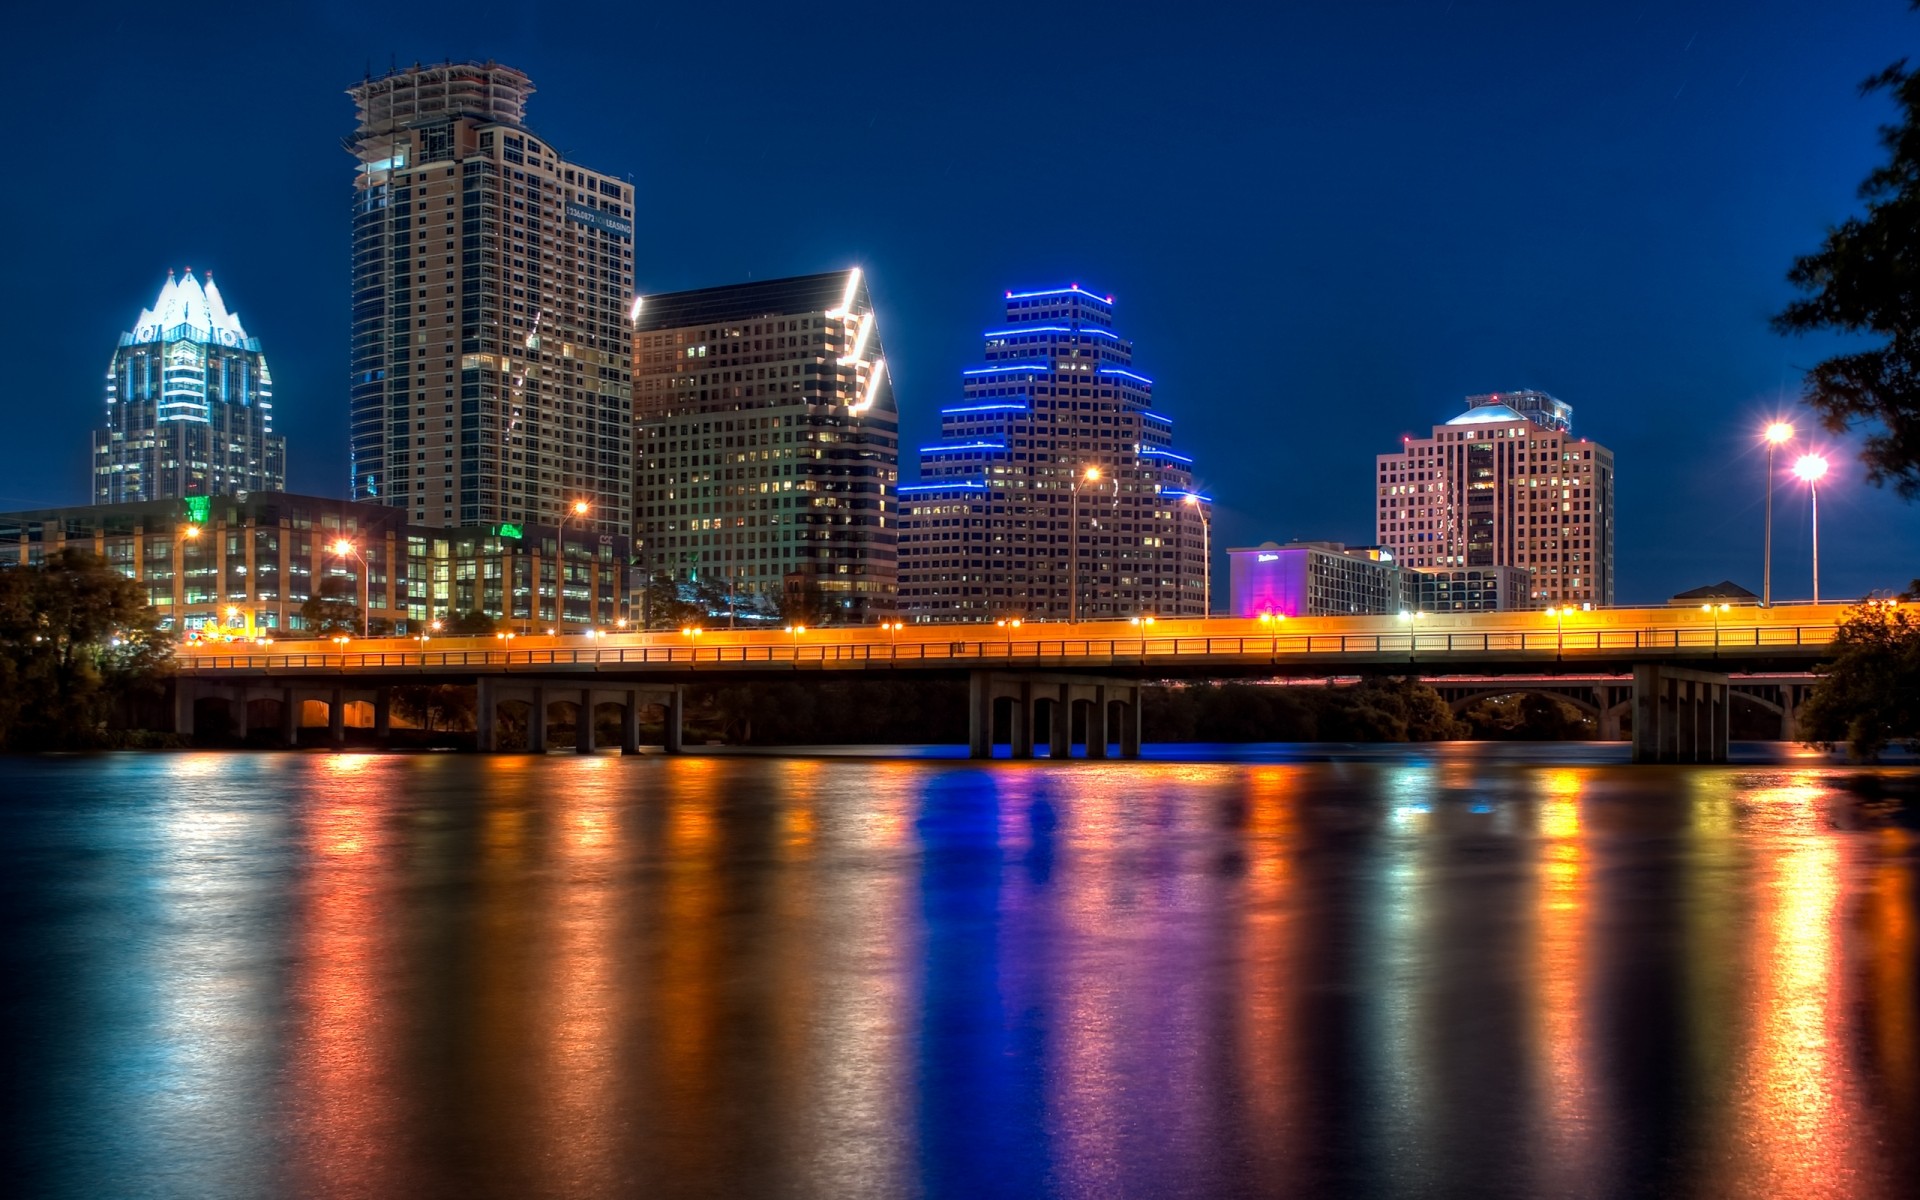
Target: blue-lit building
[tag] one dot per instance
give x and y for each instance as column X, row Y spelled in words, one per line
column 1055, row 489
column 189, row 405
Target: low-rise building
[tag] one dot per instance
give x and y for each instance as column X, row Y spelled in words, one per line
column 1468, row 589
column 1332, row 579
column 256, row 559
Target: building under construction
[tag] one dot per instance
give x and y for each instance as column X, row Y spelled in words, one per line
column 491, row 340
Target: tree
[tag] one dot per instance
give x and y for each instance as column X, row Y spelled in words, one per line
column 76, row 636
column 1869, row 695
column 469, row 624
column 1865, row 280
column 435, row 706
column 661, row 606
column 329, row 611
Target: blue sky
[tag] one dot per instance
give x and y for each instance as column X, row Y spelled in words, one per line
column 1322, row 224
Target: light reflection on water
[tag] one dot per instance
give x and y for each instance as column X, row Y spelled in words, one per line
column 340, row 975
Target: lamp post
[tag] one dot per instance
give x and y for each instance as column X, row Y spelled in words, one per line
column 1812, row 468
column 1206, row 555
column 1559, row 616
column 1778, row 434
column 1009, row 624
column 1090, row 475
column 346, row 549
column 1715, row 610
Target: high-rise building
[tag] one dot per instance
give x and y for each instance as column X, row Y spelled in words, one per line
column 767, row 446
column 189, row 405
column 1054, row 492
column 1505, row 486
column 491, row 340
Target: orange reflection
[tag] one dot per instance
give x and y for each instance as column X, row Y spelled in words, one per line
column 348, row 1120
column 1795, row 1121
column 1561, row 911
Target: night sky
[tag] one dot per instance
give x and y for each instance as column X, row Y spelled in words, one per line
column 1323, row 224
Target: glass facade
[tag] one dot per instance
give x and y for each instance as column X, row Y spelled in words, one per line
column 189, row 405
column 491, row 377
column 767, row 445
column 989, row 531
column 268, row 553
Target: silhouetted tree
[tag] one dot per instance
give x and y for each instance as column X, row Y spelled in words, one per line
column 1869, row 695
column 1865, row 280
column 75, row 636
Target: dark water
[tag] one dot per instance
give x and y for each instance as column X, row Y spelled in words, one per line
column 1437, row 974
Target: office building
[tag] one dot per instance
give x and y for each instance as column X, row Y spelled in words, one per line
column 491, row 342
column 1054, row 492
column 256, row 560
column 189, row 404
column 1505, row 486
column 1313, row 579
column 1467, row 589
column 767, row 446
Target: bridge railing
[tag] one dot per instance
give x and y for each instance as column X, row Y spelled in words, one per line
column 1027, row 651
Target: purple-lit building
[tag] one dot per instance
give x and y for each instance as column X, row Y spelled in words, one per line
column 1055, row 486
column 1314, row 579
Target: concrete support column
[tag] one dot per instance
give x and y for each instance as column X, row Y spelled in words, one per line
column 583, row 723
column 1789, row 714
column 1060, row 724
column 185, row 692
column 676, row 712
column 238, row 707
column 1022, row 730
column 1679, row 715
column 1097, row 724
column 486, row 732
column 979, row 715
column 630, row 725
column 1130, row 727
column 290, row 717
column 383, row 713
column 537, row 721
column 337, row 717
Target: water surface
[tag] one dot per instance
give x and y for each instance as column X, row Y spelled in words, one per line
column 1436, row 972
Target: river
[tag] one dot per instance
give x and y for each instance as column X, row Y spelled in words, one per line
column 1427, row 971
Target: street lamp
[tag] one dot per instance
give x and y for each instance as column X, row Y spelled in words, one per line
column 1559, row 616
column 1778, row 434
column 1090, row 475
column 423, row 639
column 1811, row 467
column 1206, row 555
column 1009, row 624
column 1715, row 610
column 346, row 549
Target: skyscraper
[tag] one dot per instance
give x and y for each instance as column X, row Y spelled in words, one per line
column 1505, row 484
column 189, row 405
column 1054, row 488
column 767, row 445
column 491, row 343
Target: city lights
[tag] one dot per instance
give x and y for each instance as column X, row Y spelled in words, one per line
column 1812, row 468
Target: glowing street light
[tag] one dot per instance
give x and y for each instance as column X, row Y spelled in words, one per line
column 1715, row 610
column 1009, row 624
column 346, row 549
column 1812, row 468
column 1090, row 475
column 1560, row 615
column 1206, row 554
column 1778, row 434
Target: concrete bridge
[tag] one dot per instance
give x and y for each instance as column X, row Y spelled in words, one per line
column 1675, row 665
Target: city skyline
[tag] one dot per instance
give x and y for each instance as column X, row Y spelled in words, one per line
column 1679, row 390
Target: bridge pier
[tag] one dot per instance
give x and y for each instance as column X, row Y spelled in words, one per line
column 185, row 692
column 337, row 717
column 383, row 714
column 583, row 723
column 1679, row 715
column 537, row 721
column 676, row 712
column 985, row 689
column 630, row 724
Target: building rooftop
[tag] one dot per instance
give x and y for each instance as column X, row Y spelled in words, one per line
column 185, row 303
column 1487, row 414
column 829, row 291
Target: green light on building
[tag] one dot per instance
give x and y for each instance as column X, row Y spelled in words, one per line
column 199, row 509
column 508, row 531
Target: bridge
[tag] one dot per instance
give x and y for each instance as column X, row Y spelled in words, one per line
column 1673, row 667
